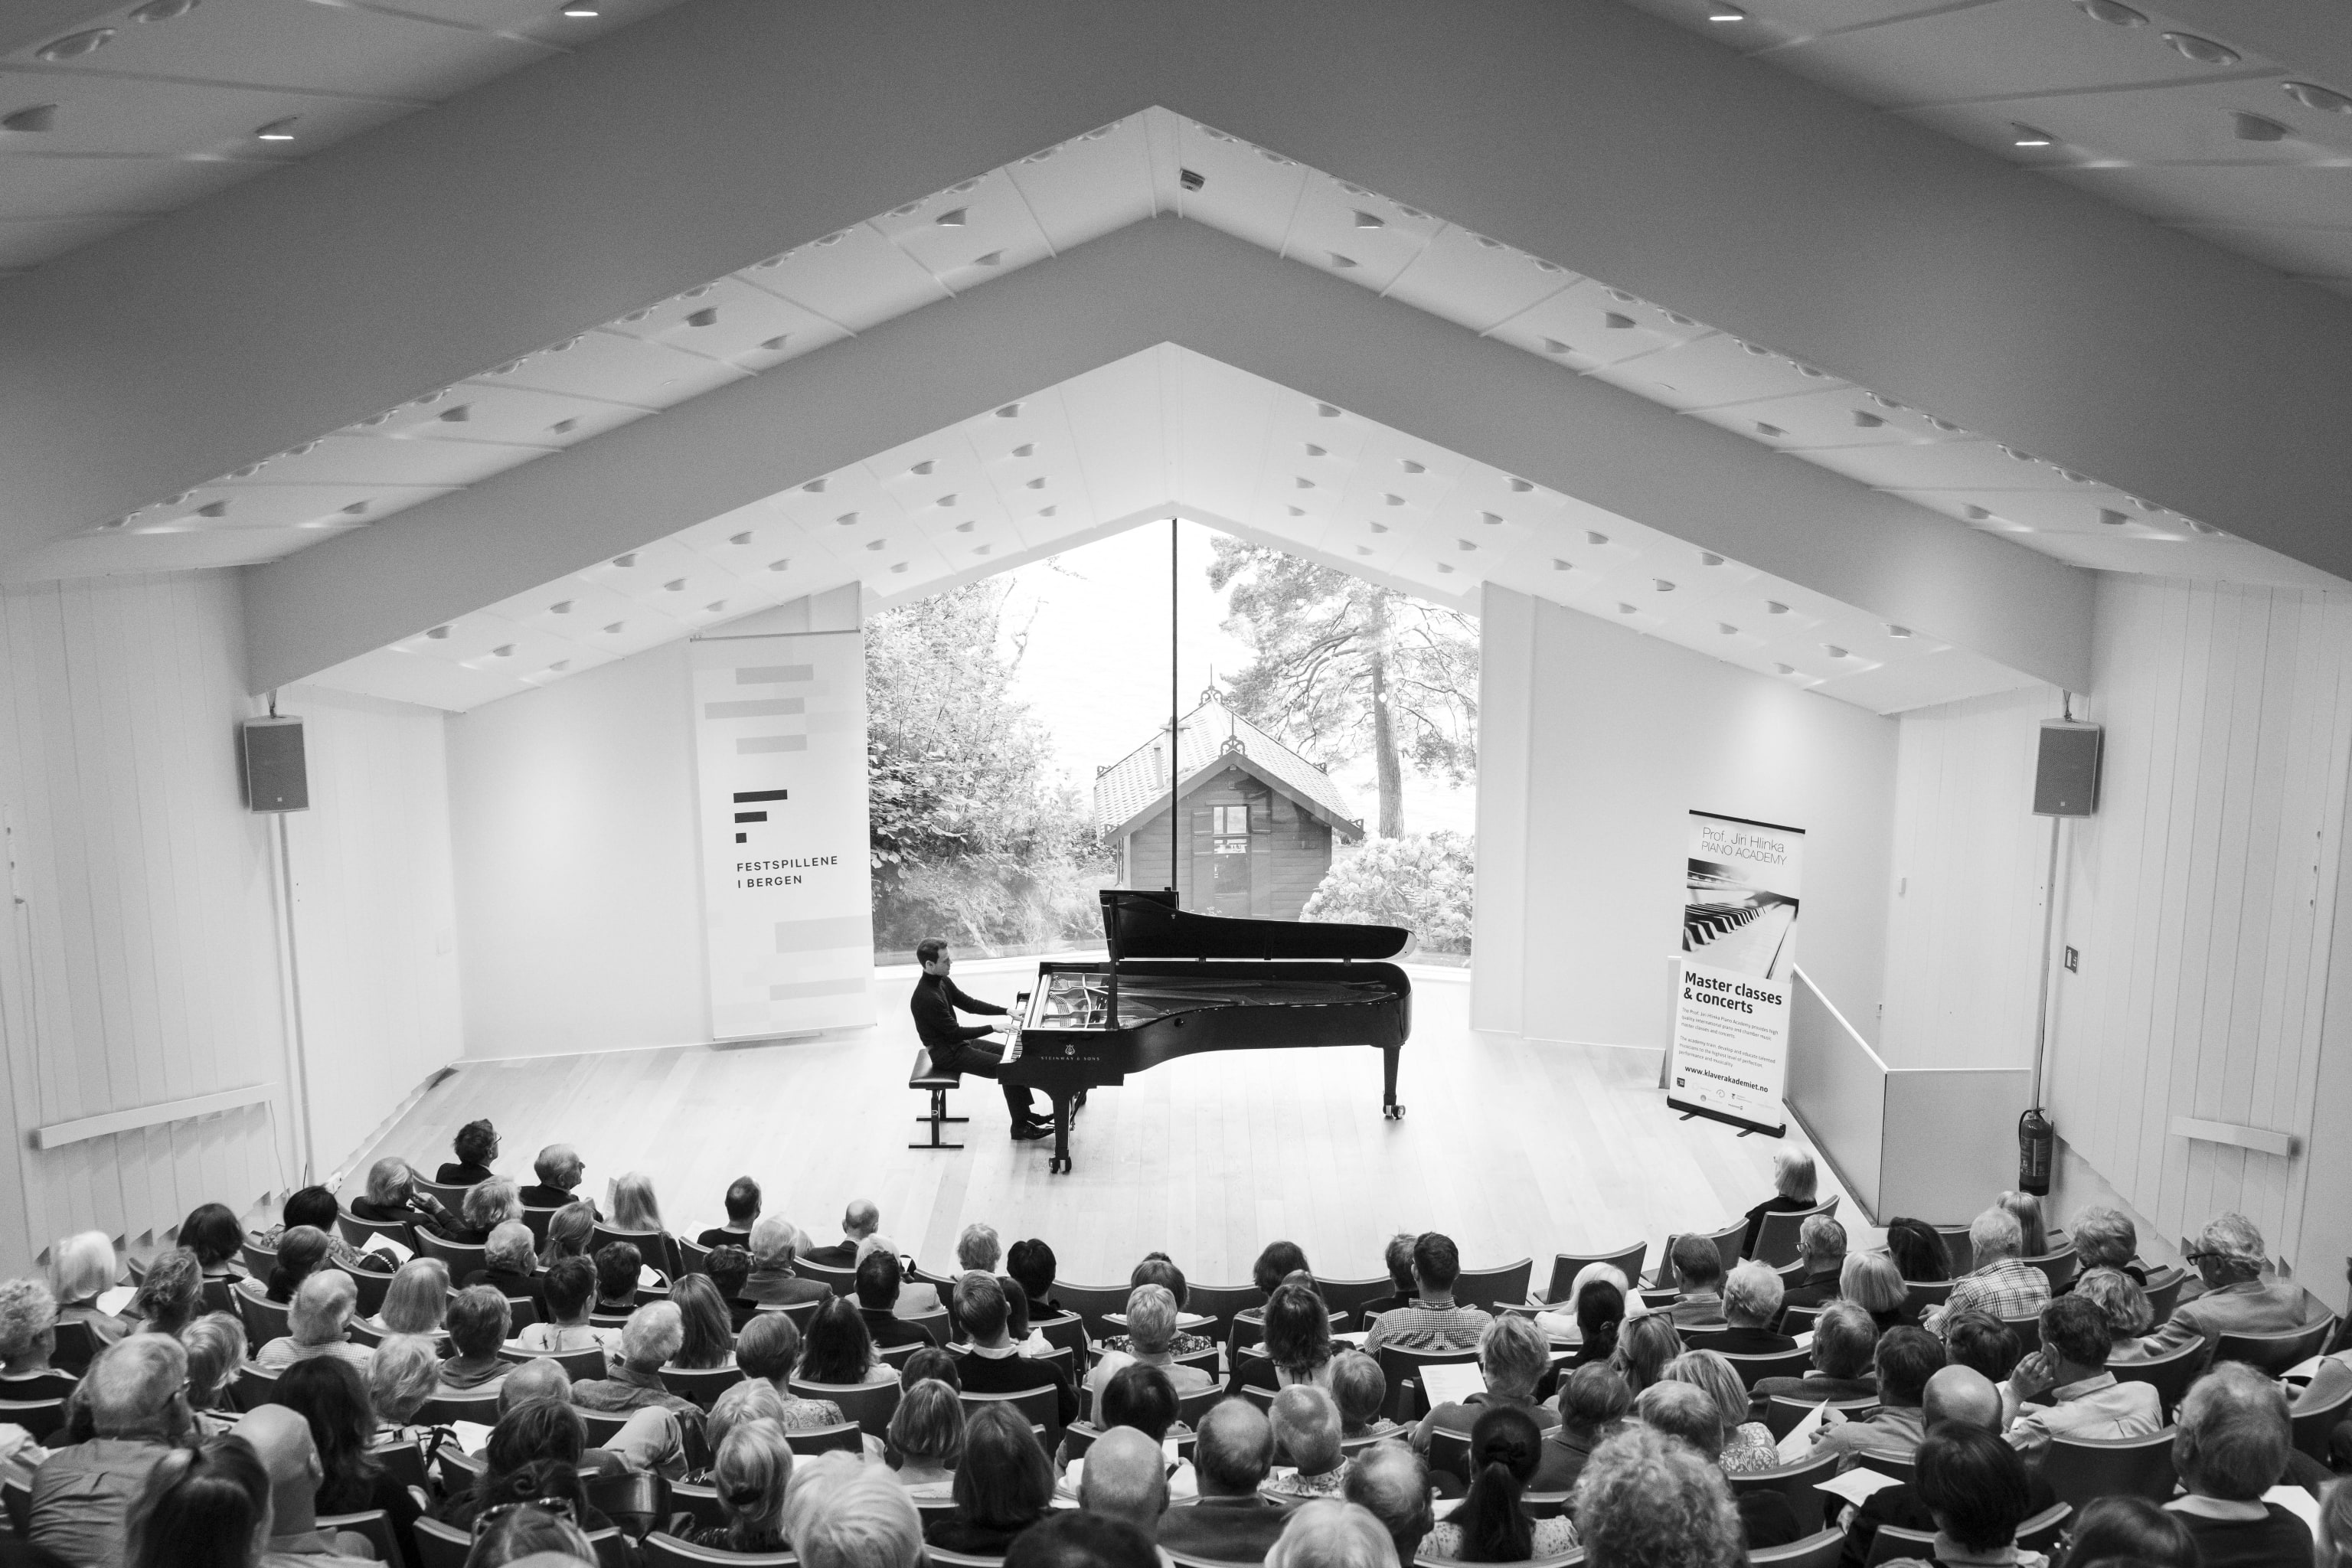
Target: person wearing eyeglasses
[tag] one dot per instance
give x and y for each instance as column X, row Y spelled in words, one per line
column 2229, row 1258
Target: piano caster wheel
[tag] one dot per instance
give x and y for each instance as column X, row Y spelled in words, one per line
column 1392, row 1112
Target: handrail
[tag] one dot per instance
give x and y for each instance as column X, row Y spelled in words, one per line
column 1854, row 1033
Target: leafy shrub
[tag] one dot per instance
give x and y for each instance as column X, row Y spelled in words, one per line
column 1422, row 881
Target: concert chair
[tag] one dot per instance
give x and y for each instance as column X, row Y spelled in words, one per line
column 701, row 1384
column 870, row 1404
column 374, row 1524
column 1924, row 1295
column 1348, row 1296
column 1887, row 1462
column 1755, row 1369
column 1490, row 1287
column 2080, row 1468
column 2164, row 1291
column 1959, row 1250
column 699, row 1503
column 369, row 1290
column 1727, row 1242
column 1797, row 1321
column 2044, row 1532
column 360, row 1232
column 1893, row 1544
column 1408, row 1400
column 848, row 1436
column 536, row 1219
column 1796, row 1482
column 2028, row 1331
column 440, row 1545
column 1782, row 1412
column 1218, row 1301
column 2059, row 1265
column 253, row 1387
column 578, row 1365
column 2273, row 1353
column 666, row 1550
column 480, row 1408
column 461, row 1257
column 1092, row 1303
column 264, row 1319
column 16, row 1496
column 2313, row 1420
column 842, row 1281
column 450, row 1195
column 1822, row 1549
column 38, row 1417
column 76, row 1348
column 1775, row 1240
column 405, row 1462
column 259, row 1259
column 2170, row 1375
column 1567, row 1266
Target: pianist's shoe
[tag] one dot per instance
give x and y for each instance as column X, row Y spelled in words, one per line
column 1030, row 1131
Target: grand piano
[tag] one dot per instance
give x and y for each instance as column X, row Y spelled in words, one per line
column 1177, row 982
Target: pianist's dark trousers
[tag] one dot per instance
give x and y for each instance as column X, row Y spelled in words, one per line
column 985, row 1061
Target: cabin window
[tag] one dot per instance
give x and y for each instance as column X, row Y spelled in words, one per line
column 1229, row 829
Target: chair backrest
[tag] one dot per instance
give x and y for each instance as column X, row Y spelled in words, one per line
column 699, row 1503
column 2028, row 1331
column 77, row 1346
column 373, row 1524
column 264, row 1320
column 1922, row 1294
column 2080, row 1468
column 1776, row 1238
column 1494, row 1288
column 647, row 1242
column 640, row 1498
column 451, row 1194
column 1067, row 1331
column 1727, row 1246
column 1191, row 1408
column 603, row 1425
column 1822, row 1549
column 1449, row 1452
column 665, row 1551
column 1959, row 1250
column 16, row 1496
column 869, row 1404
column 1797, row 1321
column 695, row 1256
column 360, row 1232
column 259, row 1259
column 1090, row 1302
column 1754, row 1369
column 578, row 1365
column 1797, row 1483
column 938, row 1324
column 1567, row 1266
column 842, row 1281
column 2313, row 1419
column 537, row 1219
column 701, row 1384
column 461, row 1256
column 371, row 1288
column 1781, row 1414
column 1408, row 1395
column 1348, row 1296
column 440, row 1545
column 38, row 1417
column 2164, row 1291
column 405, row 1463
column 848, row 1436
column 896, row 1355
column 1903, row 1467
column 2169, row 1375
column 471, row 1406
column 1893, row 1543
column 969, row 1559
column 2043, row 1531
column 801, row 1314
column 1218, row 1301
column 2058, row 1265
column 611, row 1548
column 253, row 1387
column 2273, row 1353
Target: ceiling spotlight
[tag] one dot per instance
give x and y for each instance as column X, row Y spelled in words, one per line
column 2113, row 11
column 1720, row 13
column 2311, row 95
column 2027, row 136
column 73, row 46
column 2204, row 51
column 35, row 117
column 2256, row 127
column 163, row 10
column 1894, row 631
column 580, row 10
column 277, row 130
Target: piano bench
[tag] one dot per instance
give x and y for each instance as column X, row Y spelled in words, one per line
column 923, row 1076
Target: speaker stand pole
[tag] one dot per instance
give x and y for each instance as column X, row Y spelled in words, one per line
column 294, row 1035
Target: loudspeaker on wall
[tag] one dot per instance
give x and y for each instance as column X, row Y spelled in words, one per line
column 2067, row 770
column 275, row 776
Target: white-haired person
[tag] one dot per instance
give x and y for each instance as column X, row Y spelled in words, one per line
column 215, row 1347
column 317, row 1323
column 82, row 1269
column 405, row 1372
column 916, row 1299
column 1513, row 1356
column 1795, row 1188
column 1332, row 1533
column 2229, row 1258
column 1747, row 1445
column 2233, row 1441
column 28, row 1334
column 2001, row 1285
column 136, row 1401
column 2119, row 1296
column 486, row 1207
column 840, row 1513
column 558, row 1169
column 1752, row 1294
column 1307, row 1459
column 752, row 1474
column 1648, row 1501
column 2106, row 1238
column 416, row 1301
column 1559, row 1321
column 511, row 1265
column 772, row 1280
column 391, row 1196
column 648, row 1339
column 1151, row 1319
column 1821, row 1248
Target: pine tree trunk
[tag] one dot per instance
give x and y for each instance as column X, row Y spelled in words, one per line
column 1385, row 755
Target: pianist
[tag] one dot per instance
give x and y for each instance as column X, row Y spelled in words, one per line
column 957, row 1047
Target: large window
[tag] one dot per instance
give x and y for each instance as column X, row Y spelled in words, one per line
column 1229, row 829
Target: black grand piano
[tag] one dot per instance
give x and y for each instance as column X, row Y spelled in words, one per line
column 1177, row 982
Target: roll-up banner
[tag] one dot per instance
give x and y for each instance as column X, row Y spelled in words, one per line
column 1730, row 1054
column 780, row 733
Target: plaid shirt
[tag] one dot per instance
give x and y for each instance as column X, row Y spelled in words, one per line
column 2006, row 1290
column 1432, row 1323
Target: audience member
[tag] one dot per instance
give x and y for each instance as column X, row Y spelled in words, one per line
column 316, row 1322
column 916, row 1297
column 977, row 1248
column 636, row 1210
column 511, row 1265
column 570, row 1233
column 1999, row 1284
column 2071, row 1368
column 486, row 1207
column 2332, row 1547
column 1905, row 1359
column 860, row 1220
column 1981, row 1341
column 212, row 1232
column 1793, row 1183
column 1592, row 1402
column 2106, row 1238
column 652, row 1438
column 28, row 1337
column 333, row 1399
column 1003, row 1484
column 1277, row 1261
column 315, row 1207
column 864, row 1520
column 1139, row 1398
column 2134, row 1530
column 301, row 1251
column 1033, row 1265
column 996, row 1364
column 200, row 1506
column 1645, row 1345
column 728, row 1268
column 1698, row 1273
column 754, row 1468
column 215, row 1347
column 417, row 1300
column 768, row 1349
column 632, row 1381
column 82, row 1268
column 2233, row 1440
column 878, row 1283
column 926, row 1439
column 1870, row 1281
column 171, row 1294
column 1973, row 1486
column 1747, row 1445
column 2126, row 1306
column 1125, row 1479
column 619, row 1266
column 742, row 1213
column 476, row 1145
column 391, row 1197
column 2229, row 1259
column 1159, row 1268
column 1843, row 1338
column 1232, row 1522
column 405, row 1372
column 1397, row 1257
column 1917, row 1249
column 567, row 1292
column 1958, row 1394
column 773, row 1281
column 2033, row 1230
column 1513, row 1356
column 533, row 1454
column 1752, row 1295
column 1298, row 1328
column 704, row 1320
column 531, row 1535
column 1820, row 1247
column 838, row 1348
column 280, row 1438
column 558, row 1169
column 133, row 1396
column 480, row 1319
column 1308, row 1462
column 1331, row 1534
column 1432, row 1321
column 1389, row 1482
column 1648, row 1502
column 1505, row 1449
column 1361, row 1391
column 1600, row 1308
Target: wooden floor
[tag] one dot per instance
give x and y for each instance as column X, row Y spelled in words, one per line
column 1514, row 1150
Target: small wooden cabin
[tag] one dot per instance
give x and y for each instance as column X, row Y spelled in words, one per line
column 1259, row 822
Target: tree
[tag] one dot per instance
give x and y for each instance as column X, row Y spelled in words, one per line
column 973, row 836
column 1343, row 667
column 1422, row 881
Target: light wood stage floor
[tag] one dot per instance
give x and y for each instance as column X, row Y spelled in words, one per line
column 1514, row 1149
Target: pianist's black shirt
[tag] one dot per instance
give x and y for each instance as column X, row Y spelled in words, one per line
column 934, row 1005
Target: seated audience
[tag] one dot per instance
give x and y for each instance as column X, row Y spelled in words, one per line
column 978, row 1248
column 926, row 1439
column 1125, row 1479
column 1277, row 1261
column 634, row 1379
column 1331, row 1534
column 1751, row 1304
column 838, row 1348
column 1980, row 1340
column 773, row 1281
column 1645, row 1345
column 1747, row 1445
column 301, row 1250
column 1232, row 1522
column 534, row 1452
column 1432, row 1321
column 171, row 1294
column 391, row 1197
column 1905, row 1359
column 29, row 1335
column 619, row 1266
column 1297, row 1337
column 405, row 1372
column 316, row 1323
column 994, row 1364
column 1513, row 1356
column 1973, row 1486
column 205, row 1506
column 476, row 1145
column 1489, row 1526
column 212, row 1232
column 1999, row 1284
column 1361, row 1392
column 1600, row 1318
column 751, row 1474
column 1843, row 1338
column 333, row 1399
column 215, row 1347
column 2106, row 1238
column 1033, row 1267
column 315, row 1208
column 486, row 1207
column 2071, row 1369
column 862, row 1521
column 1592, row 1402
column 2233, row 1441
column 768, row 1349
column 1159, row 1268
column 510, row 1265
column 916, row 1297
column 570, row 1233
column 417, row 1300
column 1871, row 1281
column 567, row 1291
column 1003, row 1484
column 1917, row 1249
column 82, row 1493
column 558, row 1169
column 636, row 1210
column 1076, row 1539
column 1308, row 1462
column 708, row 1325
column 742, row 1213
column 1698, row 1272
column 1821, row 1248
column 1955, row 1394
column 2033, row 1230
column 2134, row 1530
column 879, row 1284
column 1559, row 1320
column 82, row 1268
column 533, row 1535
column 1389, row 1482
column 1793, row 1184
column 1139, row 1397
column 2229, row 1259
column 728, row 1268
column 479, row 1320
column 1649, row 1501
column 2119, row 1296
column 1397, row 1259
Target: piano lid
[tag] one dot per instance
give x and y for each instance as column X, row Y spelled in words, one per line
column 1146, row 923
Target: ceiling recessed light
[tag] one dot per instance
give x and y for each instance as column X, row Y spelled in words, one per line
column 1867, row 421
column 743, row 538
column 1775, row 607
column 1325, row 411
column 1721, row 13
column 1623, row 608
column 2112, row 12
column 1411, row 466
column 775, row 344
column 1661, row 585
column 1010, row 411
column 954, row 217
column 580, row 10
column 357, row 509
column 1832, row 650
column 73, row 46
column 965, row 527
column 438, row 634
column 675, row 585
column 1464, row 544
column 2203, row 50
column 212, row 509
column 1975, row 514
column 1727, row 629
column 1786, row 668
column 1027, row 449
column 1894, row 631
column 2113, row 518
column 1554, row 346
column 626, row 561
column 1592, row 538
column 277, row 130
column 1764, row 430
column 1393, row 501
column 705, row 317
column 2256, row 127
column 1522, row 486
column 32, row 118
column 2029, row 136
column 1047, row 510
column 783, row 565
column 2311, row 95
column 163, row 10
column 1370, row 220
column 563, row 428
column 1037, row 484
column 1378, row 527
column 562, row 607
column 1616, row 321
column 1559, row 565
column 1491, row 518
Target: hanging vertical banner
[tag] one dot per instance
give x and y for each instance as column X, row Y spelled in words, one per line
column 780, row 734
column 1730, row 1053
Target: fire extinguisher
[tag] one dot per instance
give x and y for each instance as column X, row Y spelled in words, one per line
column 2037, row 1146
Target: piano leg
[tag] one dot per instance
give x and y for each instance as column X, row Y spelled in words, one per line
column 1060, row 1162
column 1390, row 1109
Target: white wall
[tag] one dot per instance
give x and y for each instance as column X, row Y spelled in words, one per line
column 1612, row 739
column 579, row 900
